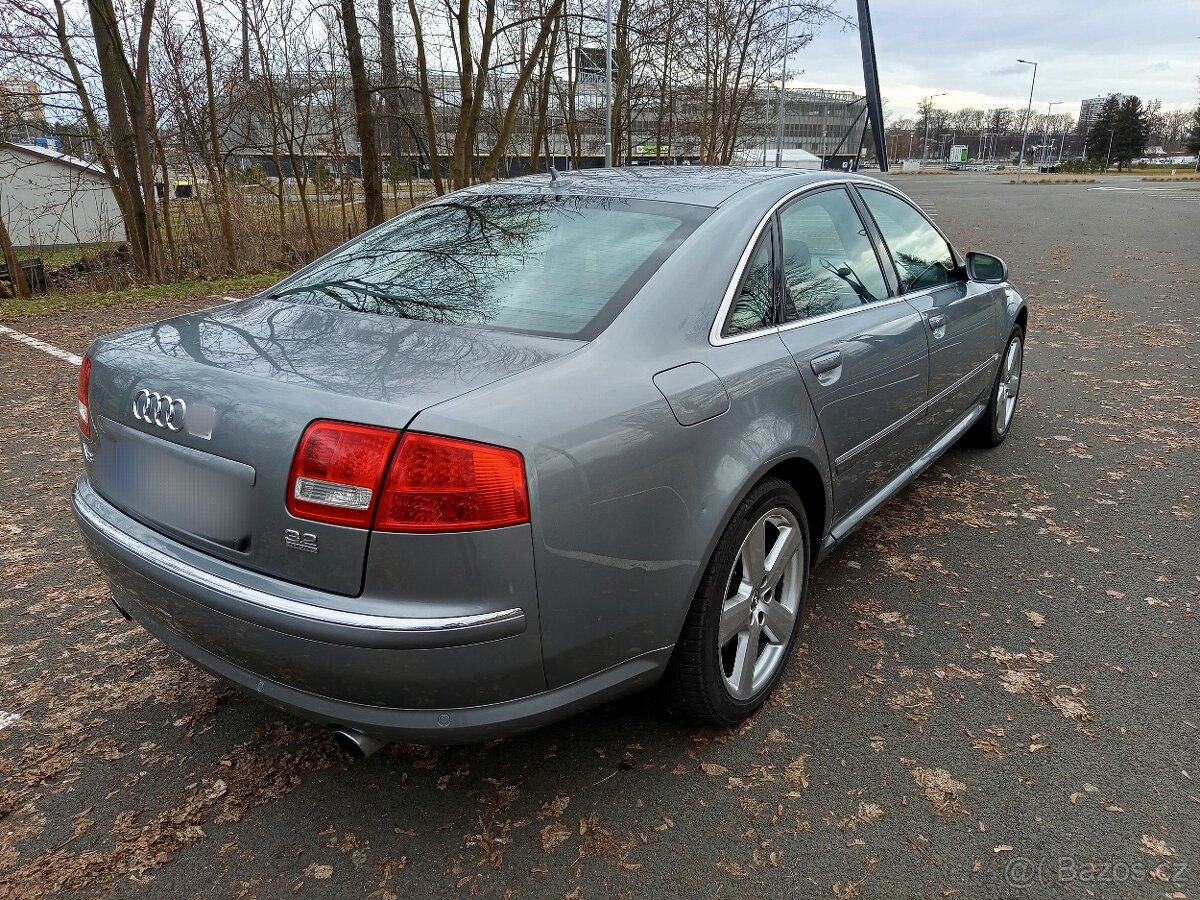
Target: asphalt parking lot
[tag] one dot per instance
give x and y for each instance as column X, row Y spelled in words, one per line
column 997, row 692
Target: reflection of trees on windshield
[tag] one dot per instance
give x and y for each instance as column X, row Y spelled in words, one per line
column 543, row 264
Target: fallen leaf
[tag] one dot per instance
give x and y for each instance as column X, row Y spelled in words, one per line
column 553, row 836
column 1153, row 846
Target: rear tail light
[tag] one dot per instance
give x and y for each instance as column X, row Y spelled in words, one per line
column 433, row 484
column 337, row 470
column 81, row 394
column 445, row 484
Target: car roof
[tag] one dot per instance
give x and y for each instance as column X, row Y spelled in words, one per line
column 698, row 185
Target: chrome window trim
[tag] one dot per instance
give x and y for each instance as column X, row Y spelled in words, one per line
column 908, row 417
column 715, row 338
column 284, row 605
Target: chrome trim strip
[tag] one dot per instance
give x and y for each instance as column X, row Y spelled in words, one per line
column 839, row 313
column 880, row 435
column 839, row 531
column 277, row 604
column 715, row 338
column 943, row 394
column 920, row 410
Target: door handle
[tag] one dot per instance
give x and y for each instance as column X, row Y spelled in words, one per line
column 827, row 367
column 937, row 324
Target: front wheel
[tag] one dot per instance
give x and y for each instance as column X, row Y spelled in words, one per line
column 992, row 428
column 743, row 620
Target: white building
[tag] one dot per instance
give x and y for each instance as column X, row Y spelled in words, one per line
column 50, row 199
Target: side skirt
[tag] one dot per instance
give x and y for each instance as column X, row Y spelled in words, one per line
column 930, row 455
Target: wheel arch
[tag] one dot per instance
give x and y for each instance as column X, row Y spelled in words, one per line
column 805, row 479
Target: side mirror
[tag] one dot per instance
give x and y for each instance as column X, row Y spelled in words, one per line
column 986, row 268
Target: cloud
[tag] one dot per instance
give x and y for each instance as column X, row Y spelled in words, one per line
column 1082, row 50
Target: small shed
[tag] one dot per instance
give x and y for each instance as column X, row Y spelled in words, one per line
column 51, row 199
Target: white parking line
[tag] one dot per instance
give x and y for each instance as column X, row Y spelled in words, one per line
column 42, row 345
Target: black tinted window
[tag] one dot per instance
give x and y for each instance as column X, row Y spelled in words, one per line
column 543, row 265
column 922, row 256
column 829, row 263
column 754, row 307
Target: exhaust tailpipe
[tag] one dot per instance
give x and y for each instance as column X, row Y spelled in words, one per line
column 356, row 744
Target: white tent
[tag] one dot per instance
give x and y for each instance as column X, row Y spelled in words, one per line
column 790, row 158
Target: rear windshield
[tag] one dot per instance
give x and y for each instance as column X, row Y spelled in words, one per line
column 554, row 266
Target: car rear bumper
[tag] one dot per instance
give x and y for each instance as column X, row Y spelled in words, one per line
column 456, row 675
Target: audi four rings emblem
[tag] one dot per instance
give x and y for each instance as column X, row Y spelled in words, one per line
column 159, row 409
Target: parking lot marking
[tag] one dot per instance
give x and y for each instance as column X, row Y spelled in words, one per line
column 42, row 345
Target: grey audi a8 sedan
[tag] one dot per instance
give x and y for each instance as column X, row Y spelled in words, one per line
column 536, row 444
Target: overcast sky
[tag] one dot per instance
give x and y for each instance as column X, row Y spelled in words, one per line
column 1084, row 48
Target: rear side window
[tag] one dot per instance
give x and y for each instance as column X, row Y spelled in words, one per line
column 922, row 257
column 754, row 307
column 562, row 267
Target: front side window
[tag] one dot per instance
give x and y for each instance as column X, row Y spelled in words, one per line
column 754, row 307
column 557, row 266
column 829, row 263
column 923, row 258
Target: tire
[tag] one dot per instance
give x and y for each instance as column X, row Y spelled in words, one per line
column 711, row 676
column 993, row 427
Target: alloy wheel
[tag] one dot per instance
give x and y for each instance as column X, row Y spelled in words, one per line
column 762, row 601
column 1009, row 384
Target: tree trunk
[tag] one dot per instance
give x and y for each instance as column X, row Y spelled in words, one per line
column 510, row 115
column 435, row 163
column 389, row 72
column 221, row 184
column 15, row 275
column 364, row 117
column 139, row 222
column 85, row 105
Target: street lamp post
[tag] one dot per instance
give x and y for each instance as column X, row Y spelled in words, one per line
column 1046, row 131
column 787, row 25
column 929, row 109
column 608, row 142
column 1028, row 110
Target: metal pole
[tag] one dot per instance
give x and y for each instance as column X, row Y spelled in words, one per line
column 1108, row 155
column 787, row 25
column 925, row 145
column 608, row 145
column 1046, row 132
column 1028, row 110
column 866, row 36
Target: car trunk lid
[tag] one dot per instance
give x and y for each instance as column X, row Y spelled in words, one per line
column 212, row 472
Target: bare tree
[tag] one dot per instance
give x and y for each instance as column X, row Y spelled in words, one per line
column 364, row 116
column 125, row 94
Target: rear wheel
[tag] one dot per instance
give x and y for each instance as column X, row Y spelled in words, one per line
column 743, row 620
column 992, row 428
